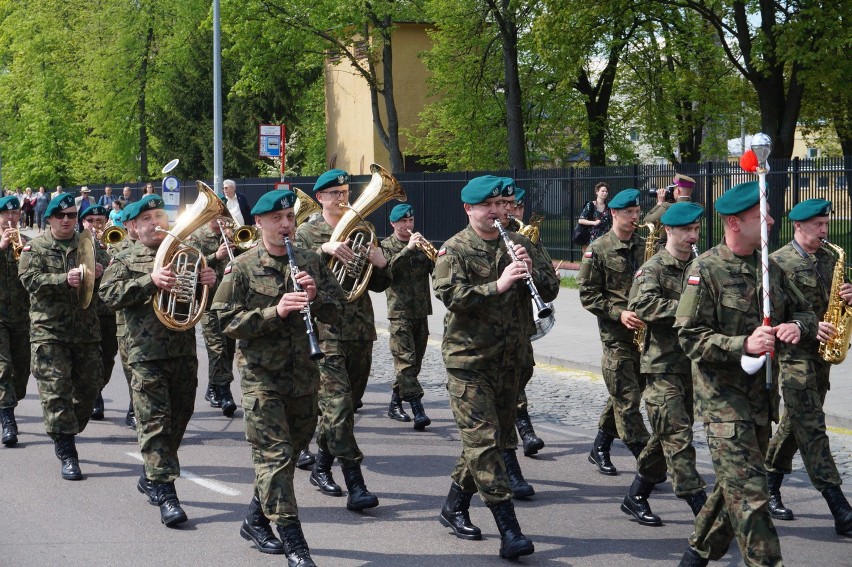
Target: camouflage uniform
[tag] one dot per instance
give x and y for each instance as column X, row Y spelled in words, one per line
column 605, row 277
column 163, row 362
column 348, row 348
column 409, row 305
column 719, row 308
column 65, row 339
column 481, row 331
column 120, row 326
column 279, row 381
column 14, row 332
column 107, row 319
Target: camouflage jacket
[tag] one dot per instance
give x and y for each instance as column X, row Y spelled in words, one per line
column 357, row 322
column 120, row 330
column 409, row 295
column 719, row 308
column 14, row 299
column 208, row 241
column 605, row 278
column 127, row 286
column 481, row 327
column 55, row 312
column 654, row 297
column 102, row 257
column 272, row 353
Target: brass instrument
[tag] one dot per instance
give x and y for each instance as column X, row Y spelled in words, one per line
column 86, row 257
column 650, row 250
column 243, row 236
column 222, row 230
column 838, row 313
column 531, row 230
column 426, row 247
column 313, row 343
column 112, row 234
column 543, row 309
column 355, row 275
column 17, row 242
column 305, row 206
column 181, row 308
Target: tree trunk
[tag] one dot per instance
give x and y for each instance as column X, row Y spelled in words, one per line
column 512, row 92
column 397, row 164
column 143, row 121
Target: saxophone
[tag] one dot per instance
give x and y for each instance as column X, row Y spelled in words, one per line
column 650, row 250
column 838, row 313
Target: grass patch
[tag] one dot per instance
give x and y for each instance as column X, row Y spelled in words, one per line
column 570, row 282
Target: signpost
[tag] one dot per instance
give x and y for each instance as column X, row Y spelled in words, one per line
column 271, row 143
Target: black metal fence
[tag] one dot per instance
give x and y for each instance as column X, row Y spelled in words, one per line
column 560, row 194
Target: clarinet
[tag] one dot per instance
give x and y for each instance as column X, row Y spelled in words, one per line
column 316, row 353
column 694, row 250
column 544, row 310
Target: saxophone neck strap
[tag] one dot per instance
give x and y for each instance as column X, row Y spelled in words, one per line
column 810, row 260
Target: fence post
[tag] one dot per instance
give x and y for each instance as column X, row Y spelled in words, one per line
column 570, row 246
column 796, row 181
column 708, row 207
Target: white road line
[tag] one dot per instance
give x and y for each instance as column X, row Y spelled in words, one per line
column 213, row 485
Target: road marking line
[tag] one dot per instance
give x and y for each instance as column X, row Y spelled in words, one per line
column 213, row 485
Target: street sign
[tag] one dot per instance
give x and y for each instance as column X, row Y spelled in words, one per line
column 270, row 140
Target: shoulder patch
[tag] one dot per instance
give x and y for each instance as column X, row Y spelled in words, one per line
column 693, row 280
column 441, row 252
column 26, row 248
column 228, row 269
column 638, row 273
column 587, row 254
column 111, row 260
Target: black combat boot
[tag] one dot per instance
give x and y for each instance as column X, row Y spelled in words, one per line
column 321, row 476
column 776, row 507
column 295, row 546
column 130, row 418
column 692, row 559
column 512, row 542
column 599, row 454
column 226, row 400
column 455, row 514
column 359, row 497
column 306, row 460
column 840, row 509
column 532, row 443
column 395, row 410
column 171, row 514
column 520, row 487
column 98, row 410
column 256, row 528
column 636, row 502
column 147, row 488
column 66, row 451
column 10, row 427
column 212, row 396
column 636, row 449
column 421, row 420
column 696, row 501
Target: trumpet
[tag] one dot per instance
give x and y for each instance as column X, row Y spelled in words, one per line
column 222, row 229
column 313, row 343
column 426, row 247
column 112, row 235
column 544, row 310
column 17, row 242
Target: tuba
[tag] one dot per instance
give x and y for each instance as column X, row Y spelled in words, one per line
column 650, row 250
column 838, row 313
column 355, row 275
column 305, row 207
column 181, row 308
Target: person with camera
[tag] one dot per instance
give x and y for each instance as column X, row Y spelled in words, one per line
column 595, row 216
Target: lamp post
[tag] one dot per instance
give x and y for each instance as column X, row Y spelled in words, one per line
column 217, row 101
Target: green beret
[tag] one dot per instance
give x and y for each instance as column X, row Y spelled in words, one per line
column 10, row 203
column 92, row 210
column 58, row 203
column 274, row 201
column 806, row 210
column 480, row 188
column 126, row 211
column 508, row 189
column 401, row 211
column 331, row 178
column 624, row 199
column 738, row 198
column 682, row 214
column 519, row 195
column 146, row 203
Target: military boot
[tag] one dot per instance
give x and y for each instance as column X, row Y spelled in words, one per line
column 692, row 559
column 321, row 475
column 306, row 460
column 226, row 400
column 66, row 451
column 421, row 420
column 147, row 488
column 636, row 502
column 212, row 396
column 256, row 528
column 171, row 514
column 130, row 418
column 520, row 487
column 776, row 507
column 696, row 501
column 295, row 546
column 359, row 497
column 532, row 443
column 599, row 455
column 513, row 543
column 10, row 427
column 455, row 514
column 395, row 410
column 840, row 509
column 98, row 409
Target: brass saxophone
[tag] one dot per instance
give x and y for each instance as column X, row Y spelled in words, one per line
column 838, row 313
column 650, row 250
column 531, row 230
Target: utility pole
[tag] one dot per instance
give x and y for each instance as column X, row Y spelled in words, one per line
column 217, row 101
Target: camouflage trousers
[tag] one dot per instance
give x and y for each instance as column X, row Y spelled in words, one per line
column 526, row 374
column 277, row 427
column 668, row 401
column 620, row 417
column 220, row 350
column 343, row 379
column 802, row 428
column 122, row 354
column 69, row 379
column 14, row 362
column 737, row 507
column 109, row 346
column 484, row 404
column 408, row 338
column 163, row 393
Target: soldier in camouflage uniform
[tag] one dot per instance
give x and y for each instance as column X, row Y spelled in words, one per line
column 409, row 305
column 668, row 395
column 65, row 338
column 804, row 374
column 14, row 322
column 121, row 327
column 719, row 321
column 605, row 278
column 348, row 348
column 487, row 301
column 258, row 306
column 163, row 362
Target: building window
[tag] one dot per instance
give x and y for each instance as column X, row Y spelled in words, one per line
column 634, row 135
column 813, row 153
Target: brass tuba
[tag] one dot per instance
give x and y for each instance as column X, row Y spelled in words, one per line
column 181, row 308
column 838, row 313
column 355, row 275
column 305, row 206
column 650, row 250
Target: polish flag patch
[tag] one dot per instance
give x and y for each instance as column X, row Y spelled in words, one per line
column 26, row 248
column 693, row 280
column 227, row 269
column 588, row 254
column 441, row 252
column 638, row 273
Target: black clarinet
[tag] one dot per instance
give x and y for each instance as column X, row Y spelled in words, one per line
column 316, row 353
column 544, row 310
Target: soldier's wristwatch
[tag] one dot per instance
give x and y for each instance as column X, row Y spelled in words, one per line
column 800, row 325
